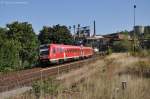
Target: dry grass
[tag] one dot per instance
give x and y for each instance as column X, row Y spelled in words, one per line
column 102, row 81
column 82, row 73
column 105, row 83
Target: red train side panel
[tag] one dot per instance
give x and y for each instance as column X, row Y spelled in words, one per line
column 57, row 52
column 87, row 51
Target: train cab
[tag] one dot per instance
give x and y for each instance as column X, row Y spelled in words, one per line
column 44, row 52
column 51, row 53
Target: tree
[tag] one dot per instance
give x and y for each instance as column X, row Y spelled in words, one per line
column 2, row 35
column 9, row 55
column 62, row 34
column 9, row 59
column 56, row 34
column 123, row 45
column 25, row 36
column 44, row 36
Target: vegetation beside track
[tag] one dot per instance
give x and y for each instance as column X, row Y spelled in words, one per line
column 19, row 44
column 110, row 79
column 27, row 77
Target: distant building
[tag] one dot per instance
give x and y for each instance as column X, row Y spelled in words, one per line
column 139, row 30
column 117, row 36
column 98, row 42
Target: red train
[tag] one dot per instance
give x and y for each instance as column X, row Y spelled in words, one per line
column 58, row 53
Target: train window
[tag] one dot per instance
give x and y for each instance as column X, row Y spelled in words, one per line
column 44, row 50
column 67, row 51
column 44, row 46
column 54, row 50
column 44, row 53
column 60, row 50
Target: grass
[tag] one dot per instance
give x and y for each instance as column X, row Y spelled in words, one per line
column 101, row 80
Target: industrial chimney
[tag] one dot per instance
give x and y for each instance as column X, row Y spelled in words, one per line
column 94, row 34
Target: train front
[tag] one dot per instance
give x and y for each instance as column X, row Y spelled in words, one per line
column 44, row 53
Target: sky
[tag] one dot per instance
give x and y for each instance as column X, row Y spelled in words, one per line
column 110, row 15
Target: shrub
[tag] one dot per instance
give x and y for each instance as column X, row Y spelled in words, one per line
column 121, row 46
column 140, row 53
column 47, row 86
column 109, row 51
column 142, row 65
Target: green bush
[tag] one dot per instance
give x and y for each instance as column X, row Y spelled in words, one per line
column 18, row 44
column 140, row 53
column 141, row 66
column 47, row 87
column 109, row 51
column 121, row 46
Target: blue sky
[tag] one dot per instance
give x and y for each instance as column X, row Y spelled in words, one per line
column 110, row 15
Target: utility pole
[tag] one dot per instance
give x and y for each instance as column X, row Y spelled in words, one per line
column 134, row 34
column 79, row 30
column 134, row 13
column 74, row 30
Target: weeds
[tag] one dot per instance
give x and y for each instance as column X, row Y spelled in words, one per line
column 140, row 53
column 99, row 85
column 45, row 87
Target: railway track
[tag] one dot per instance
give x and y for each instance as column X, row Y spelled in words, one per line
column 27, row 77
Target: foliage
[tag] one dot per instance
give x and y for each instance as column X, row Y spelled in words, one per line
column 8, row 52
column 18, row 44
column 122, row 46
column 56, row 34
column 125, row 32
column 45, row 86
column 141, row 53
column 9, row 56
column 24, row 34
column 109, row 50
column 142, row 65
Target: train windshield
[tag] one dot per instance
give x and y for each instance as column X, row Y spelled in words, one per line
column 44, row 50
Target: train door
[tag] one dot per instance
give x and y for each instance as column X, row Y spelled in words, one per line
column 59, row 53
column 53, row 53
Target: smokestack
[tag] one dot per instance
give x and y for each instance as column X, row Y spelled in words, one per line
column 94, row 29
column 78, row 30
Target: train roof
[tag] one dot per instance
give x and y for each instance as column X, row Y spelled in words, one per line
column 65, row 46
